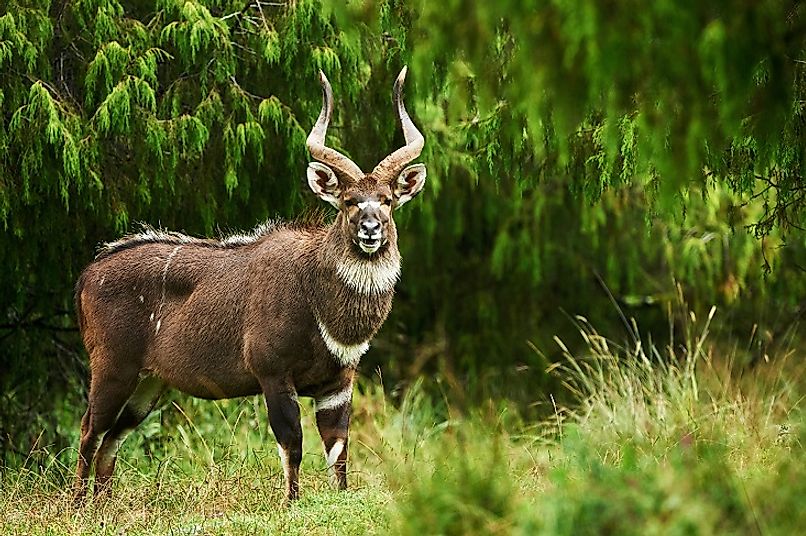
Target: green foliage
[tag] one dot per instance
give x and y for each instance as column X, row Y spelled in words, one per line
column 671, row 91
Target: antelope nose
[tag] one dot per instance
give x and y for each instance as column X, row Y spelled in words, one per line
column 371, row 227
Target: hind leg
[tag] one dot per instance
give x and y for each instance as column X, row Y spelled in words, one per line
column 137, row 408
column 86, row 451
column 108, row 396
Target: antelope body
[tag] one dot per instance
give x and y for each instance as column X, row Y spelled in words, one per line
column 285, row 311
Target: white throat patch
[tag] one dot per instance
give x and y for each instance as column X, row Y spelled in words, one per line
column 348, row 355
column 370, row 276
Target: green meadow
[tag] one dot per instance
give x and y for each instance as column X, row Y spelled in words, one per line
column 650, row 441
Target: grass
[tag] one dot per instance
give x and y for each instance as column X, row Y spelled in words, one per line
column 671, row 440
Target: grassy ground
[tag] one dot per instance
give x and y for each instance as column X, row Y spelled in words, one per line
column 650, row 445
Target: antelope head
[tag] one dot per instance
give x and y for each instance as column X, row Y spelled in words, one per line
column 365, row 200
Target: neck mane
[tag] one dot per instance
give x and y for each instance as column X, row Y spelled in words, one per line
column 351, row 292
column 369, row 275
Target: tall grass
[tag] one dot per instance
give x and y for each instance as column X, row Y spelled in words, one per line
column 672, row 440
column 654, row 440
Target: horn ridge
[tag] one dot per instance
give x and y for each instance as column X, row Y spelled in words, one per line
column 390, row 166
column 316, row 139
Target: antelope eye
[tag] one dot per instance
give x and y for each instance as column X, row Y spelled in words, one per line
column 350, row 202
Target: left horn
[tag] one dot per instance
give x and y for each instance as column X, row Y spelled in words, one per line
column 393, row 164
column 316, row 139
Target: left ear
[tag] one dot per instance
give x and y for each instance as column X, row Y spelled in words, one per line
column 409, row 183
column 324, row 183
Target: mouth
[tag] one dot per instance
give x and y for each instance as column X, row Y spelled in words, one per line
column 369, row 244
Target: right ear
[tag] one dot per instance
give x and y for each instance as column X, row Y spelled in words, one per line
column 324, row 183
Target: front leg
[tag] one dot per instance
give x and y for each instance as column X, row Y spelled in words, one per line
column 333, row 421
column 281, row 400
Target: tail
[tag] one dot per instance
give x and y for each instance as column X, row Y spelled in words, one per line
column 77, row 300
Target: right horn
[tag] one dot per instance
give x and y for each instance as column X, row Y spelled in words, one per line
column 316, row 139
column 391, row 166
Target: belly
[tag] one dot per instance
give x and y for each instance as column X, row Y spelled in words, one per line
column 202, row 361
column 211, row 384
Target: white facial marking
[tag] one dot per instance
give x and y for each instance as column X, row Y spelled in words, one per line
column 347, row 355
column 151, row 318
column 159, row 324
column 372, row 204
column 370, row 276
column 335, row 400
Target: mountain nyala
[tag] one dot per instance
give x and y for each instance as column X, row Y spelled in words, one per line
column 284, row 311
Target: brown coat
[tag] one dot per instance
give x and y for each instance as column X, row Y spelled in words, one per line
column 287, row 310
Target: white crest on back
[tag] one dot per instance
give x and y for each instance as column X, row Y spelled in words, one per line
column 348, row 355
column 153, row 235
column 370, row 276
column 242, row 239
column 149, row 234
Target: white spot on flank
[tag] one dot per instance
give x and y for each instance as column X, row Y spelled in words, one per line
column 142, row 299
column 335, row 400
column 164, row 277
column 103, row 278
column 372, row 204
column 151, row 318
column 370, row 276
column 347, row 355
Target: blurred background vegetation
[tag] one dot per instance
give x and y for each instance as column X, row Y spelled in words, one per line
column 606, row 159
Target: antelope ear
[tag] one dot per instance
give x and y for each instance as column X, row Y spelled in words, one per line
column 324, row 183
column 409, row 183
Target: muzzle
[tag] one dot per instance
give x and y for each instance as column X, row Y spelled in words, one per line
column 370, row 235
